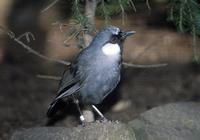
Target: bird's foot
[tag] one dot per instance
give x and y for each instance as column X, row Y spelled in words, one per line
column 103, row 120
column 83, row 121
column 83, row 124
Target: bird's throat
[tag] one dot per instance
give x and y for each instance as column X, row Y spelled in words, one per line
column 110, row 49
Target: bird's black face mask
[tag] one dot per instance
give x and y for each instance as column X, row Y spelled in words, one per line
column 122, row 35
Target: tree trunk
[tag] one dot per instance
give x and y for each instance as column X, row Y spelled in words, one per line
column 90, row 9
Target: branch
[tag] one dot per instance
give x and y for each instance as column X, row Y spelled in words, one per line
column 105, row 13
column 144, row 66
column 57, row 78
column 17, row 40
column 133, row 5
column 123, row 12
column 90, row 9
column 39, row 54
column 28, row 35
column 75, row 34
column 148, row 5
column 49, row 6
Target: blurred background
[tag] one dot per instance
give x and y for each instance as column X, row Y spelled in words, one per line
column 167, row 33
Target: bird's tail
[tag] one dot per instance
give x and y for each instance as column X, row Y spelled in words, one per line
column 58, row 102
column 53, row 107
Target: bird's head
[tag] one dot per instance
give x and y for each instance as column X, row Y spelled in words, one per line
column 112, row 34
column 110, row 39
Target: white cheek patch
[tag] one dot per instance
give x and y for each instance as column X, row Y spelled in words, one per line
column 117, row 31
column 111, row 49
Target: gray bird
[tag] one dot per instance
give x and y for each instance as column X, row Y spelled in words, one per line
column 95, row 72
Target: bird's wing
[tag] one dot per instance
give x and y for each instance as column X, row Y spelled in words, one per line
column 68, row 79
column 60, row 97
column 69, row 85
column 75, row 75
column 73, row 89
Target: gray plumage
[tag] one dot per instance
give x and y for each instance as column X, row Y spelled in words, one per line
column 93, row 75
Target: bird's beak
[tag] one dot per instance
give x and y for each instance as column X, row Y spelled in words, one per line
column 126, row 34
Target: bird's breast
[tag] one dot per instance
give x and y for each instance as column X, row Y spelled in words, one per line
column 99, row 84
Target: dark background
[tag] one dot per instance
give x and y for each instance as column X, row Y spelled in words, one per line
column 24, row 97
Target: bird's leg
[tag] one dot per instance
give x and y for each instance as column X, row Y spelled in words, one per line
column 99, row 113
column 82, row 118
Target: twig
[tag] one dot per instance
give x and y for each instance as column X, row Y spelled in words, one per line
column 123, row 12
column 61, row 25
column 105, row 13
column 40, row 55
column 72, row 36
column 148, row 5
column 49, row 6
column 16, row 39
column 49, row 77
column 28, row 35
column 144, row 66
column 133, row 5
column 194, row 44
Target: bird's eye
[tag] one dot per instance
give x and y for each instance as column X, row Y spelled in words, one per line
column 114, row 39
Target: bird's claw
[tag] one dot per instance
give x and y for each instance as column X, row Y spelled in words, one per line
column 103, row 120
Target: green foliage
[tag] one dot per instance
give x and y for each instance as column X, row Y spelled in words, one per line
column 77, row 10
column 186, row 16
column 184, row 13
column 79, row 25
column 109, row 8
column 105, row 9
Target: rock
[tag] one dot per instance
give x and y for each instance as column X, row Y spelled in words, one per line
column 93, row 131
column 176, row 121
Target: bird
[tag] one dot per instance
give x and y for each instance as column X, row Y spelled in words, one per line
column 94, row 73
